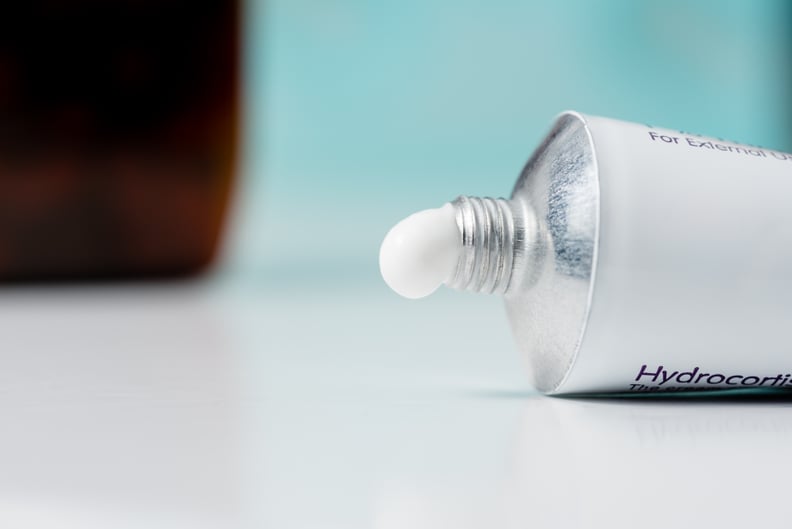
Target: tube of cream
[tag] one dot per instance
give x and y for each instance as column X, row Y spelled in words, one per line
column 630, row 258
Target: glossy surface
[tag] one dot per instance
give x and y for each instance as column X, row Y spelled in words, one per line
column 240, row 404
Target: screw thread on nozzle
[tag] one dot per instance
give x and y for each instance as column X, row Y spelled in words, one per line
column 487, row 227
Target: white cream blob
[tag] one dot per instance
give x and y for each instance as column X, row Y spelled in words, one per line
column 421, row 252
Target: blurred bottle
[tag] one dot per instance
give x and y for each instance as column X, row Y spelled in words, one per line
column 118, row 135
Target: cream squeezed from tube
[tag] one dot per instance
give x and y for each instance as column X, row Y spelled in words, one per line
column 631, row 259
column 421, row 252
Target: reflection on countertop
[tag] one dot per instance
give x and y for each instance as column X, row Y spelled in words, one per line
column 231, row 404
column 615, row 463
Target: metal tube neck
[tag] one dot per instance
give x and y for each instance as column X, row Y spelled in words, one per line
column 488, row 228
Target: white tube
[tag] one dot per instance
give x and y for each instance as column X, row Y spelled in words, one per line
column 638, row 259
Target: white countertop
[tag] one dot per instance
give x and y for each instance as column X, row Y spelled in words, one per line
column 231, row 403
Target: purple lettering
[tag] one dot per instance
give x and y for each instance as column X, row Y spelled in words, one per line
column 665, row 377
column 720, row 377
column 688, row 374
column 701, row 375
column 653, row 376
column 661, row 377
column 776, row 379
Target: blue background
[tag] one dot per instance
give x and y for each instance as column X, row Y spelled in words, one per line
column 358, row 113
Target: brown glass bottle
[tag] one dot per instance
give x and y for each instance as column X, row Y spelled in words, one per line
column 118, row 136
